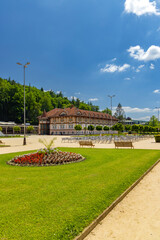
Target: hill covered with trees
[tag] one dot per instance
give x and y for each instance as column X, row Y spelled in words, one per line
column 12, row 103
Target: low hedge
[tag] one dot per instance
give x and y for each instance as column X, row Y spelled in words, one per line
column 157, row 138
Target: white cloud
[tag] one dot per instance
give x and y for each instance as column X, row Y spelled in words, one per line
column 152, row 66
column 93, row 99
column 78, row 93
column 47, row 90
column 141, row 7
column 146, row 118
column 156, row 91
column 115, row 68
column 139, row 68
column 138, row 53
column 135, row 110
column 114, row 59
column 127, row 78
column 73, row 97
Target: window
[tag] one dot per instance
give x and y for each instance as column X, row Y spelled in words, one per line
column 70, row 126
column 63, row 114
column 62, row 126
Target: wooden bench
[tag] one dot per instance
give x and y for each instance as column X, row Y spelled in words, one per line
column 86, row 143
column 123, row 144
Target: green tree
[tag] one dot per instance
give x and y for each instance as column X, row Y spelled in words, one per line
column 146, row 128
column 78, row 127
column 0, row 129
column 127, row 128
column 108, row 111
column 135, row 128
column 118, row 127
column 30, row 129
column 140, row 128
column 153, row 122
column 12, row 102
column 16, row 129
column 77, row 103
column 46, row 103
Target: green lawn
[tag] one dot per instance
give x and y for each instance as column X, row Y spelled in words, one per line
column 58, row 202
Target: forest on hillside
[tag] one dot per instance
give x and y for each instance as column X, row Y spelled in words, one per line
column 12, row 102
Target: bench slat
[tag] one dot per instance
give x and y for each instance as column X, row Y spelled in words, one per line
column 123, row 144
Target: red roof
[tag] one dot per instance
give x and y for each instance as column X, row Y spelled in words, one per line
column 73, row 111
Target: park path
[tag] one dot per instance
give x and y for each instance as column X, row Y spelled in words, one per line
column 16, row 144
column 137, row 217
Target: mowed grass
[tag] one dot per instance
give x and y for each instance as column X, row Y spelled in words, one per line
column 58, row 202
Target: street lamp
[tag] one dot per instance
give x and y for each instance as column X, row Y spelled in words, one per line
column 111, row 106
column 158, row 117
column 24, row 66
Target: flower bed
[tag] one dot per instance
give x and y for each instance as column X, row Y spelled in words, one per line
column 46, row 158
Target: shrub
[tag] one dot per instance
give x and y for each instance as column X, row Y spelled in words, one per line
column 78, row 127
column 118, row 127
column 0, row 129
column 90, row 127
column 127, row 127
column 106, row 128
column 98, row 128
column 141, row 128
column 157, row 138
column 30, row 129
column 135, row 127
column 146, row 128
column 16, row 129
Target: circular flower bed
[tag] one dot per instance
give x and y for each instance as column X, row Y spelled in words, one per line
column 46, row 158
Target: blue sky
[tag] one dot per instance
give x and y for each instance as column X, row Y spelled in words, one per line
column 87, row 49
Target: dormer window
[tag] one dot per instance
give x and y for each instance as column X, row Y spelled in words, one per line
column 63, row 114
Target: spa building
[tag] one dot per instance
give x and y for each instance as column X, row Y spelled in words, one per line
column 62, row 121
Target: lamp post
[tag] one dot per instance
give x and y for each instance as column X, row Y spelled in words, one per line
column 158, row 117
column 111, row 106
column 24, row 66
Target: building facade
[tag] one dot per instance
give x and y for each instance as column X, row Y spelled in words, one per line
column 8, row 128
column 62, row 121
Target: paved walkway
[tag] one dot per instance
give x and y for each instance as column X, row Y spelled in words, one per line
column 16, row 144
column 137, row 217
